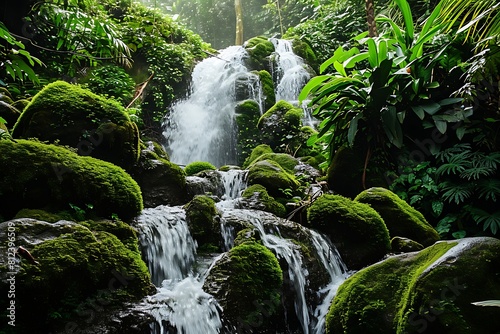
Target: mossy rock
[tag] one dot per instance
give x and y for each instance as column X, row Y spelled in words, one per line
column 405, row 245
column 20, row 105
column 197, row 167
column 36, row 176
column 250, row 293
column 200, row 214
column 280, row 127
column 357, row 230
column 161, row 181
column 43, row 215
column 257, row 152
column 430, row 291
column 286, row 161
column 259, row 49
column 273, row 177
column 123, row 231
column 400, row 218
column 247, row 116
column 76, row 117
column 73, row 270
column 302, row 49
column 267, row 83
column 256, row 197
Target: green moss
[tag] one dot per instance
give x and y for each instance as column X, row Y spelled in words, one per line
column 259, row 49
column 254, row 284
column 267, row 83
column 200, row 213
column 273, row 177
column 302, row 49
column 43, row 215
column 401, row 219
column 257, row 152
column 36, row 175
column 280, row 127
column 198, row 166
column 247, row 116
column 74, row 116
column 124, row 232
column 286, row 161
column 73, row 268
column 270, row 204
column 355, row 228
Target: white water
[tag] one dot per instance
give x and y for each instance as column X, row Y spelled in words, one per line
column 201, row 127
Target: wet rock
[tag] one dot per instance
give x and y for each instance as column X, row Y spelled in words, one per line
column 405, row 245
column 430, row 291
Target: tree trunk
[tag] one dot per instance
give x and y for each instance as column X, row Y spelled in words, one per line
column 370, row 18
column 239, row 22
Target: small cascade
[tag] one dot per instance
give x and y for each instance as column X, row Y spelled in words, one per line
column 289, row 71
column 290, row 252
column 169, row 251
column 202, row 127
column 167, row 245
column 234, row 181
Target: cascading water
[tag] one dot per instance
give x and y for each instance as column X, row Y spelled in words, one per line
column 169, row 251
column 201, row 127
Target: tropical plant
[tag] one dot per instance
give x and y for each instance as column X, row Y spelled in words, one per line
column 373, row 90
column 112, row 81
column 469, row 184
column 88, row 37
column 15, row 60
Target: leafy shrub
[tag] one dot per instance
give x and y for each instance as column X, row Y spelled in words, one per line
column 198, row 166
column 112, row 81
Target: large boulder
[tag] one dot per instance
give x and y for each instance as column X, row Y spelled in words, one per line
column 75, row 273
column 256, row 197
column 247, row 116
column 252, row 286
column 200, row 214
column 37, row 176
column 259, row 50
column 430, row 291
column 400, row 218
column 281, row 127
column 272, row 176
column 162, row 182
column 357, row 230
column 76, row 117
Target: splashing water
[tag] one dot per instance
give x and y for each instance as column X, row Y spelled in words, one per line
column 202, row 127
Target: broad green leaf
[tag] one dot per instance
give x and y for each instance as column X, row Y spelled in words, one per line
column 353, row 129
column 338, row 66
column 313, row 84
column 446, row 102
column 441, row 126
column 372, row 52
column 433, row 84
column 336, row 55
column 407, row 17
column 460, row 132
column 431, row 108
column 352, row 61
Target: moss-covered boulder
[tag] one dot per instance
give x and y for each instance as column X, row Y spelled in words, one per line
column 430, row 291
column 78, row 272
column 256, row 197
column 76, row 117
column 257, row 152
column 302, row 49
column 405, row 245
column 259, row 49
column 247, row 117
column 200, row 214
column 267, row 83
column 286, row 161
column 251, row 291
column 38, row 176
column 197, row 167
column 400, row 218
column 161, row 181
column 273, row 177
column 357, row 230
column 43, row 215
column 280, row 127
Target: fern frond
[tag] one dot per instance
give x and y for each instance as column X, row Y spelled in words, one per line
column 491, row 160
column 447, row 154
column 457, row 193
column 476, row 172
column 489, row 189
column 489, row 220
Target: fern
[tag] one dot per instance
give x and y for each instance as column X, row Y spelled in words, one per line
column 455, row 164
column 489, row 221
column 489, row 189
column 447, row 154
column 457, row 193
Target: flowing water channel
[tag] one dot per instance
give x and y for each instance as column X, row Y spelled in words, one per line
column 202, row 128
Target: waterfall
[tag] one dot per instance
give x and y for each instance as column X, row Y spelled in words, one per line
column 290, row 252
column 202, row 127
column 169, row 251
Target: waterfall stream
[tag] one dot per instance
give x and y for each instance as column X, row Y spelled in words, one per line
column 202, row 128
